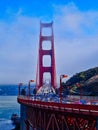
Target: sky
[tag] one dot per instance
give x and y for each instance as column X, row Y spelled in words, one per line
column 75, row 24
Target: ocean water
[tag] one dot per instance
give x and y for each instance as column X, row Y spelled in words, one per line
column 8, row 106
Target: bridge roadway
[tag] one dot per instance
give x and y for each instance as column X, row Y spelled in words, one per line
column 60, row 116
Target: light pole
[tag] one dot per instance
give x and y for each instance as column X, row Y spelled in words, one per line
column 61, row 77
column 29, row 87
column 19, row 85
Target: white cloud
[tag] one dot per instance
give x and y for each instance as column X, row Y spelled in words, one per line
column 76, row 39
column 75, row 22
column 18, row 48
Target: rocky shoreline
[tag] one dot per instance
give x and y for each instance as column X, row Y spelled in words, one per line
column 15, row 121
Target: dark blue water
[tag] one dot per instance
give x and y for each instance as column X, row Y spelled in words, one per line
column 9, row 90
column 8, row 106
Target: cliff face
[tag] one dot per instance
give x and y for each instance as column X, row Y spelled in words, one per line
column 86, row 81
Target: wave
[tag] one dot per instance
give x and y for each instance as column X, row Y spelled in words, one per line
column 6, row 124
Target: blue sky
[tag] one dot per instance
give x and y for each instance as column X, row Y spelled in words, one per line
column 75, row 31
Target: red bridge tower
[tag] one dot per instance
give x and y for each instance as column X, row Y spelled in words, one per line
column 41, row 69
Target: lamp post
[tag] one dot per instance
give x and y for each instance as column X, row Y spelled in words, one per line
column 29, row 87
column 19, row 85
column 61, row 77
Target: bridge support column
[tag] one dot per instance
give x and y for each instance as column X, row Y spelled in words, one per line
column 22, row 117
column 97, row 124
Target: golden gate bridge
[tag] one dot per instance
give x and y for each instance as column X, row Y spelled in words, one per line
column 38, row 114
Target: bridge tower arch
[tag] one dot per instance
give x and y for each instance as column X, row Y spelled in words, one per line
column 41, row 68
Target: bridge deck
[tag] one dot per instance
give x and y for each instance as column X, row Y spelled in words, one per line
column 72, row 108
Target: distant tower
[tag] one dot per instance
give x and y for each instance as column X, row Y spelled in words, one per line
column 41, row 69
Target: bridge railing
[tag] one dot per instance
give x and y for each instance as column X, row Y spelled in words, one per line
column 86, row 109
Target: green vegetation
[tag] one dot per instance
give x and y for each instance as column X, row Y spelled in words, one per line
column 86, row 81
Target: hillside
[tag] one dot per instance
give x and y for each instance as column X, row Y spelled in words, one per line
column 85, row 82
